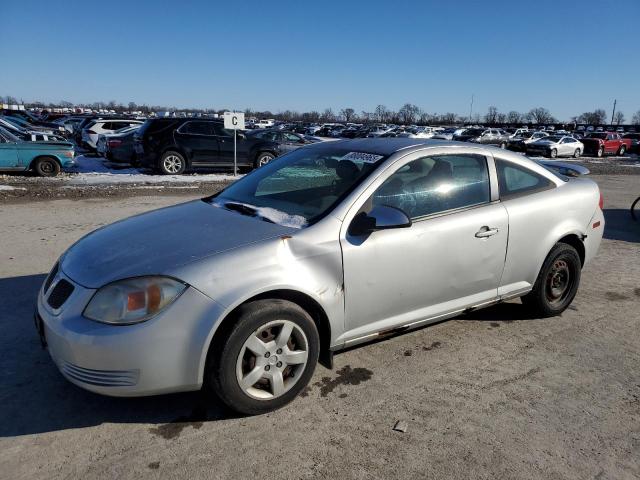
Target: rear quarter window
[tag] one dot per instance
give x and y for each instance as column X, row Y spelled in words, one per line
column 515, row 180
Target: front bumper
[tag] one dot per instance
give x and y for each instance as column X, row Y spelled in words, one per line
column 164, row 354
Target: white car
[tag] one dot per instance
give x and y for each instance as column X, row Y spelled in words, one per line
column 556, row 146
column 92, row 131
column 423, row 132
column 268, row 123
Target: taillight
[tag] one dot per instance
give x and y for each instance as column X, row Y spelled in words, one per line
column 114, row 143
column 601, row 202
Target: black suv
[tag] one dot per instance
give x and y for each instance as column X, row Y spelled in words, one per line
column 173, row 145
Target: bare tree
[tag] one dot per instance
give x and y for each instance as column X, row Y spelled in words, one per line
column 618, row 118
column 540, row 115
column 492, row 115
column 636, row 118
column 501, row 118
column 382, row 113
column 514, row 117
column 597, row 117
column 448, row 118
column 328, row 115
column 408, row 113
column 347, row 114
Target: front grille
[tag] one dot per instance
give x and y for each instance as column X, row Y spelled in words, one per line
column 103, row 378
column 52, row 275
column 60, row 294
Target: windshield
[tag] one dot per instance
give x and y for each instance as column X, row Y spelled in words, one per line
column 8, row 136
column 299, row 188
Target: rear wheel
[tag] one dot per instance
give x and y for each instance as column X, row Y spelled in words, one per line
column 172, row 163
column 503, row 145
column 263, row 158
column 46, row 167
column 553, row 153
column 576, row 154
column 600, row 152
column 623, row 148
column 265, row 358
column 635, row 209
column 557, row 282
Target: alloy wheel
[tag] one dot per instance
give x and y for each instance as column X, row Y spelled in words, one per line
column 172, row 163
column 272, row 359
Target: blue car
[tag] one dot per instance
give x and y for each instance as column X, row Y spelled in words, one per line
column 46, row 159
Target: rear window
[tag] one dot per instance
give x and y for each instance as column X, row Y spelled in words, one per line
column 515, row 180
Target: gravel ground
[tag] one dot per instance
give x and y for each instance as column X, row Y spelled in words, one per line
column 493, row 394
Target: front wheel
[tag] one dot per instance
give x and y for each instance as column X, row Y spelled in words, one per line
column 576, row 154
column 557, row 282
column 46, row 167
column 263, row 158
column 503, row 145
column 553, row 153
column 265, row 358
column 600, row 152
column 172, row 163
column 623, row 149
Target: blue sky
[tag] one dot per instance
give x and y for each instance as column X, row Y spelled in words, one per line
column 567, row 56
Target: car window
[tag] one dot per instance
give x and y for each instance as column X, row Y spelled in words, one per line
column 515, row 180
column 197, row 128
column 289, row 137
column 436, row 184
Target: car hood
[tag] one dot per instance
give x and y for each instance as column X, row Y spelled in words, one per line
column 161, row 240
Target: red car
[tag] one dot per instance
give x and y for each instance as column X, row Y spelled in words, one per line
column 605, row 143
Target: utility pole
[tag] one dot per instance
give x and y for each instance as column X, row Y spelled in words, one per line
column 471, row 109
column 614, row 111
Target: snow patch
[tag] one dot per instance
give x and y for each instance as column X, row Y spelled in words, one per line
column 271, row 214
column 96, row 171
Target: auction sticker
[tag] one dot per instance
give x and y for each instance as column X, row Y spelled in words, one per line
column 362, row 157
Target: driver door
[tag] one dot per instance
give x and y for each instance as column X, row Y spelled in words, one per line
column 450, row 258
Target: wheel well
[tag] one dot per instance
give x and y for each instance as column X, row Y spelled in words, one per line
column 303, row 300
column 576, row 243
column 44, row 156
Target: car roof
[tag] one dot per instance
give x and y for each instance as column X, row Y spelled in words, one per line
column 388, row 146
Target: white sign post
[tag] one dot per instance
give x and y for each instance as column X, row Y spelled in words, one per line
column 234, row 121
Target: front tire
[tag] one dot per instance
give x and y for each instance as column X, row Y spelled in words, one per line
column 557, row 282
column 46, row 167
column 265, row 358
column 600, row 152
column 576, row 154
column 172, row 163
column 622, row 150
column 553, row 153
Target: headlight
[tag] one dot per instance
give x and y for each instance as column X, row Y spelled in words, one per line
column 133, row 300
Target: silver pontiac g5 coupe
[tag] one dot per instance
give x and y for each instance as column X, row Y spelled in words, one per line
column 334, row 244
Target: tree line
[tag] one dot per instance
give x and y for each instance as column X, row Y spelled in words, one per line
column 407, row 114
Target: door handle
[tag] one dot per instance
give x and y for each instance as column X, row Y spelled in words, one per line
column 485, row 232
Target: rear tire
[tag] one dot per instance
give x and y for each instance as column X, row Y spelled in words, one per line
column 622, row 150
column 576, row 154
column 557, row 282
column 46, row 167
column 172, row 163
column 553, row 153
column 263, row 158
column 600, row 152
column 253, row 367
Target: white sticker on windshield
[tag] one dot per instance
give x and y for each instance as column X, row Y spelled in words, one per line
column 362, row 157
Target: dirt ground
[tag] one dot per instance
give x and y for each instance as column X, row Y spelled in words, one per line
column 492, row 394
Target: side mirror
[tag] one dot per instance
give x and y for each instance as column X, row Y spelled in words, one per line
column 381, row 217
column 241, row 135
